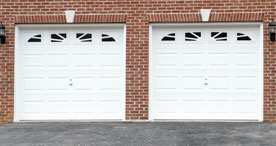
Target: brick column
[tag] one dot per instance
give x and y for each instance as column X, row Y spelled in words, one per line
column 137, row 60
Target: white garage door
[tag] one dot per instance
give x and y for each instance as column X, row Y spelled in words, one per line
column 211, row 72
column 70, row 72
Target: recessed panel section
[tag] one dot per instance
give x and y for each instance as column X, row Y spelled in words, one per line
column 166, row 106
column 32, row 107
column 219, row 106
column 192, row 59
column 109, row 83
column 58, row 106
column 245, row 83
column 219, row 82
column 192, row 82
column 245, row 59
column 109, row 106
column 246, row 106
column 191, row 106
column 85, row 106
column 109, row 60
column 84, row 83
column 33, row 60
column 32, row 84
column 58, row 60
column 58, row 83
column 165, row 83
column 219, row 59
column 84, row 60
column 166, row 59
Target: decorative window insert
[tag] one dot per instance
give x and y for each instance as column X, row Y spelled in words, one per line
column 169, row 37
column 243, row 37
column 84, row 37
column 58, row 37
column 36, row 38
column 107, row 38
column 219, row 36
column 192, row 36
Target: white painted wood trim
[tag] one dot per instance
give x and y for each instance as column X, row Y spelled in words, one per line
column 124, row 75
column 16, row 72
column 150, row 74
column 261, row 101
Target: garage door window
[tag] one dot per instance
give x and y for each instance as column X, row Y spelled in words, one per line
column 59, row 37
column 107, row 38
column 169, row 37
column 84, row 37
column 243, row 37
column 219, row 36
column 36, row 38
column 192, row 36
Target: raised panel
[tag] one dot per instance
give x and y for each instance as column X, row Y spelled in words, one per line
column 58, row 83
column 219, row 82
column 192, row 82
column 245, row 59
column 166, row 106
column 83, row 60
column 33, row 60
column 192, row 59
column 219, row 59
column 109, row 59
column 166, row 59
column 85, row 106
column 109, row 106
column 166, row 83
column 58, row 60
column 245, row 83
column 109, row 83
column 32, row 84
column 84, row 83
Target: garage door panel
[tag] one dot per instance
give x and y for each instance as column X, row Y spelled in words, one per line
column 214, row 75
column 219, row 59
column 219, row 82
column 58, row 60
column 248, row 83
column 84, row 60
column 33, row 84
column 84, row 83
column 33, row 60
column 192, row 83
column 169, row 59
column 166, row 83
column 246, row 59
column 192, row 59
column 63, row 75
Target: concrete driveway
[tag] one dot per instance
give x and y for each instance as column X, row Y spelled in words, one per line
column 137, row 134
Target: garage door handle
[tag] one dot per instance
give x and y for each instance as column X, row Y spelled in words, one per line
column 71, row 84
column 205, row 84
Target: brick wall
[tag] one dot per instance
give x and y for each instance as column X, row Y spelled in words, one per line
column 137, row 14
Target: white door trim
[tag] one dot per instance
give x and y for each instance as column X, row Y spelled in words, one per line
column 17, row 55
column 170, row 25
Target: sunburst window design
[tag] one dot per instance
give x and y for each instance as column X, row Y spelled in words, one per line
column 219, row 36
column 84, row 37
column 243, row 37
column 36, row 38
column 192, row 36
column 59, row 37
column 107, row 38
column 169, row 37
